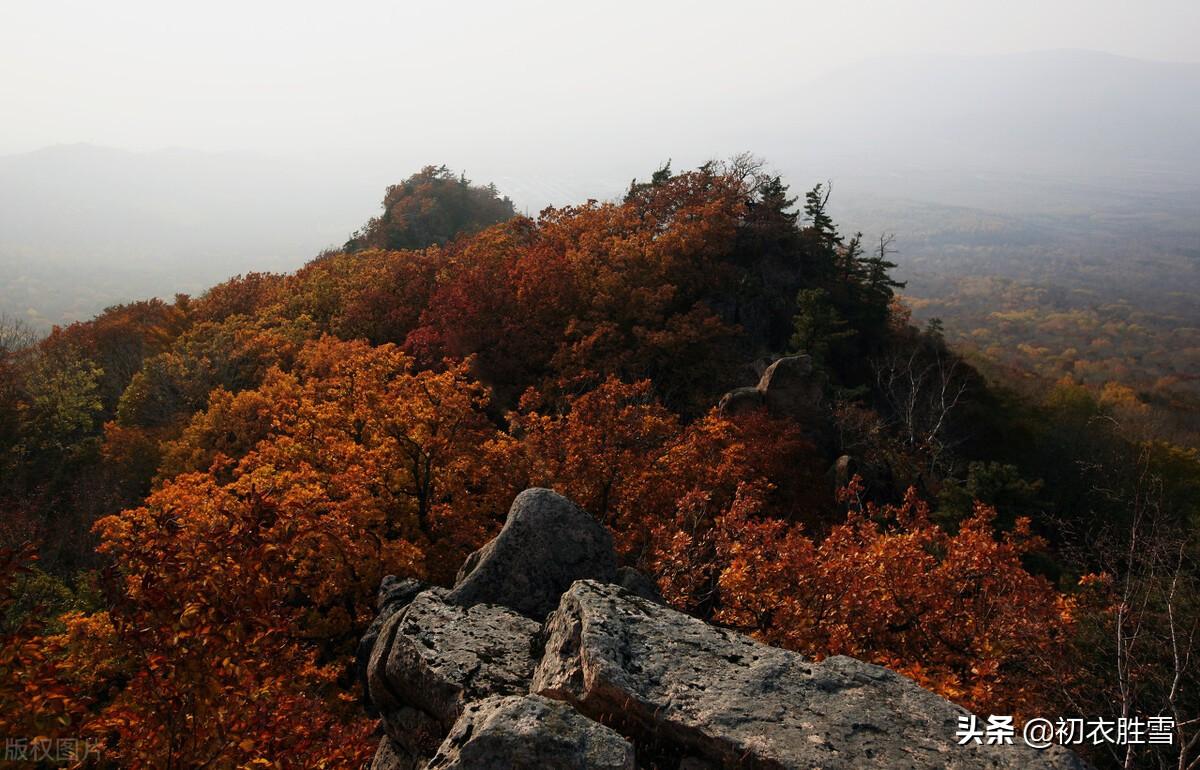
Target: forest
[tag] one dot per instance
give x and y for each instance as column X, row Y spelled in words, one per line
column 199, row 497
column 1043, row 281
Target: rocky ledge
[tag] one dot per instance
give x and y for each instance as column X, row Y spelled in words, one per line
column 545, row 655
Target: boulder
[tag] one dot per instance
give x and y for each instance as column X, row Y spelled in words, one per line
column 547, row 543
column 390, row 757
column 740, row 400
column 676, row 685
column 843, row 470
column 793, row 386
column 394, row 595
column 509, row 733
column 471, row 677
column 379, row 692
column 639, row 584
column 433, row 658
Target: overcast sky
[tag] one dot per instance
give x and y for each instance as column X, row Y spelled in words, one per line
column 299, row 75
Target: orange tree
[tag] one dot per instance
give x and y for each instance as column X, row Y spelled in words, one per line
column 709, row 508
column 630, row 461
column 956, row 612
column 38, row 697
column 626, row 289
column 243, row 582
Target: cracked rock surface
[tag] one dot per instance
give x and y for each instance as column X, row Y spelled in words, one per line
column 433, row 658
column 545, row 655
column 680, row 685
column 394, row 595
column 530, row 731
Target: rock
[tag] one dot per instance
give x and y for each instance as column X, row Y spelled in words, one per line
column 379, row 692
column 672, row 682
column 470, row 677
column 792, row 385
column 639, row 585
column 506, row 733
column 547, row 543
column 442, row 656
column 843, row 471
column 740, row 401
column 390, row 757
column 414, row 734
column 394, row 595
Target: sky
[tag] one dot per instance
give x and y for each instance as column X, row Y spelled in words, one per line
column 304, row 76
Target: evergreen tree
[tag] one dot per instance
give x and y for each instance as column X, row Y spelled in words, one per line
column 876, row 289
column 773, row 198
column 815, row 202
column 660, row 177
column 877, row 271
column 819, row 327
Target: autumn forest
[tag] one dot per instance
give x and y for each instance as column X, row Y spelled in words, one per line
column 199, row 497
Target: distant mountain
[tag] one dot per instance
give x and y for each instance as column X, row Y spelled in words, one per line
column 84, row 226
column 172, row 205
column 1049, row 140
column 1087, row 116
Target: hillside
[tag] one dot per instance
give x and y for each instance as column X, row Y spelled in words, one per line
column 1072, row 158
column 1102, row 293
column 202, row 496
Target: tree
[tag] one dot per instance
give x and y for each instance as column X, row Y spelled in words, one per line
column 118, row 341
column 247, row 294
column 1139, row 619
column 661, row 176
column 818, row 328
column 14, row 335
column 14, row 338
column 878, row 288
column 432, row 207
column 999, row 485
column 820, row 224
column 616, row 289
column 244, row 580
column 60, row 403
column 957, row 613
column 211, row 627
column 921, row 389
column 234, row 354
column 656, row 482
column 34, row 682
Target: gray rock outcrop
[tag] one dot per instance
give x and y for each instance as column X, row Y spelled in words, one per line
column 439, row 657
column 546, row 544
column 639, row 584
column 390, row 757
column 793, row 385
column 473, row 678
column 530, row 731
column 394, row 595
column 667, row 679
column 741, row 400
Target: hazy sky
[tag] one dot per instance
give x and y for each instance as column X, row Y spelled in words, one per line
column 297, row 75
